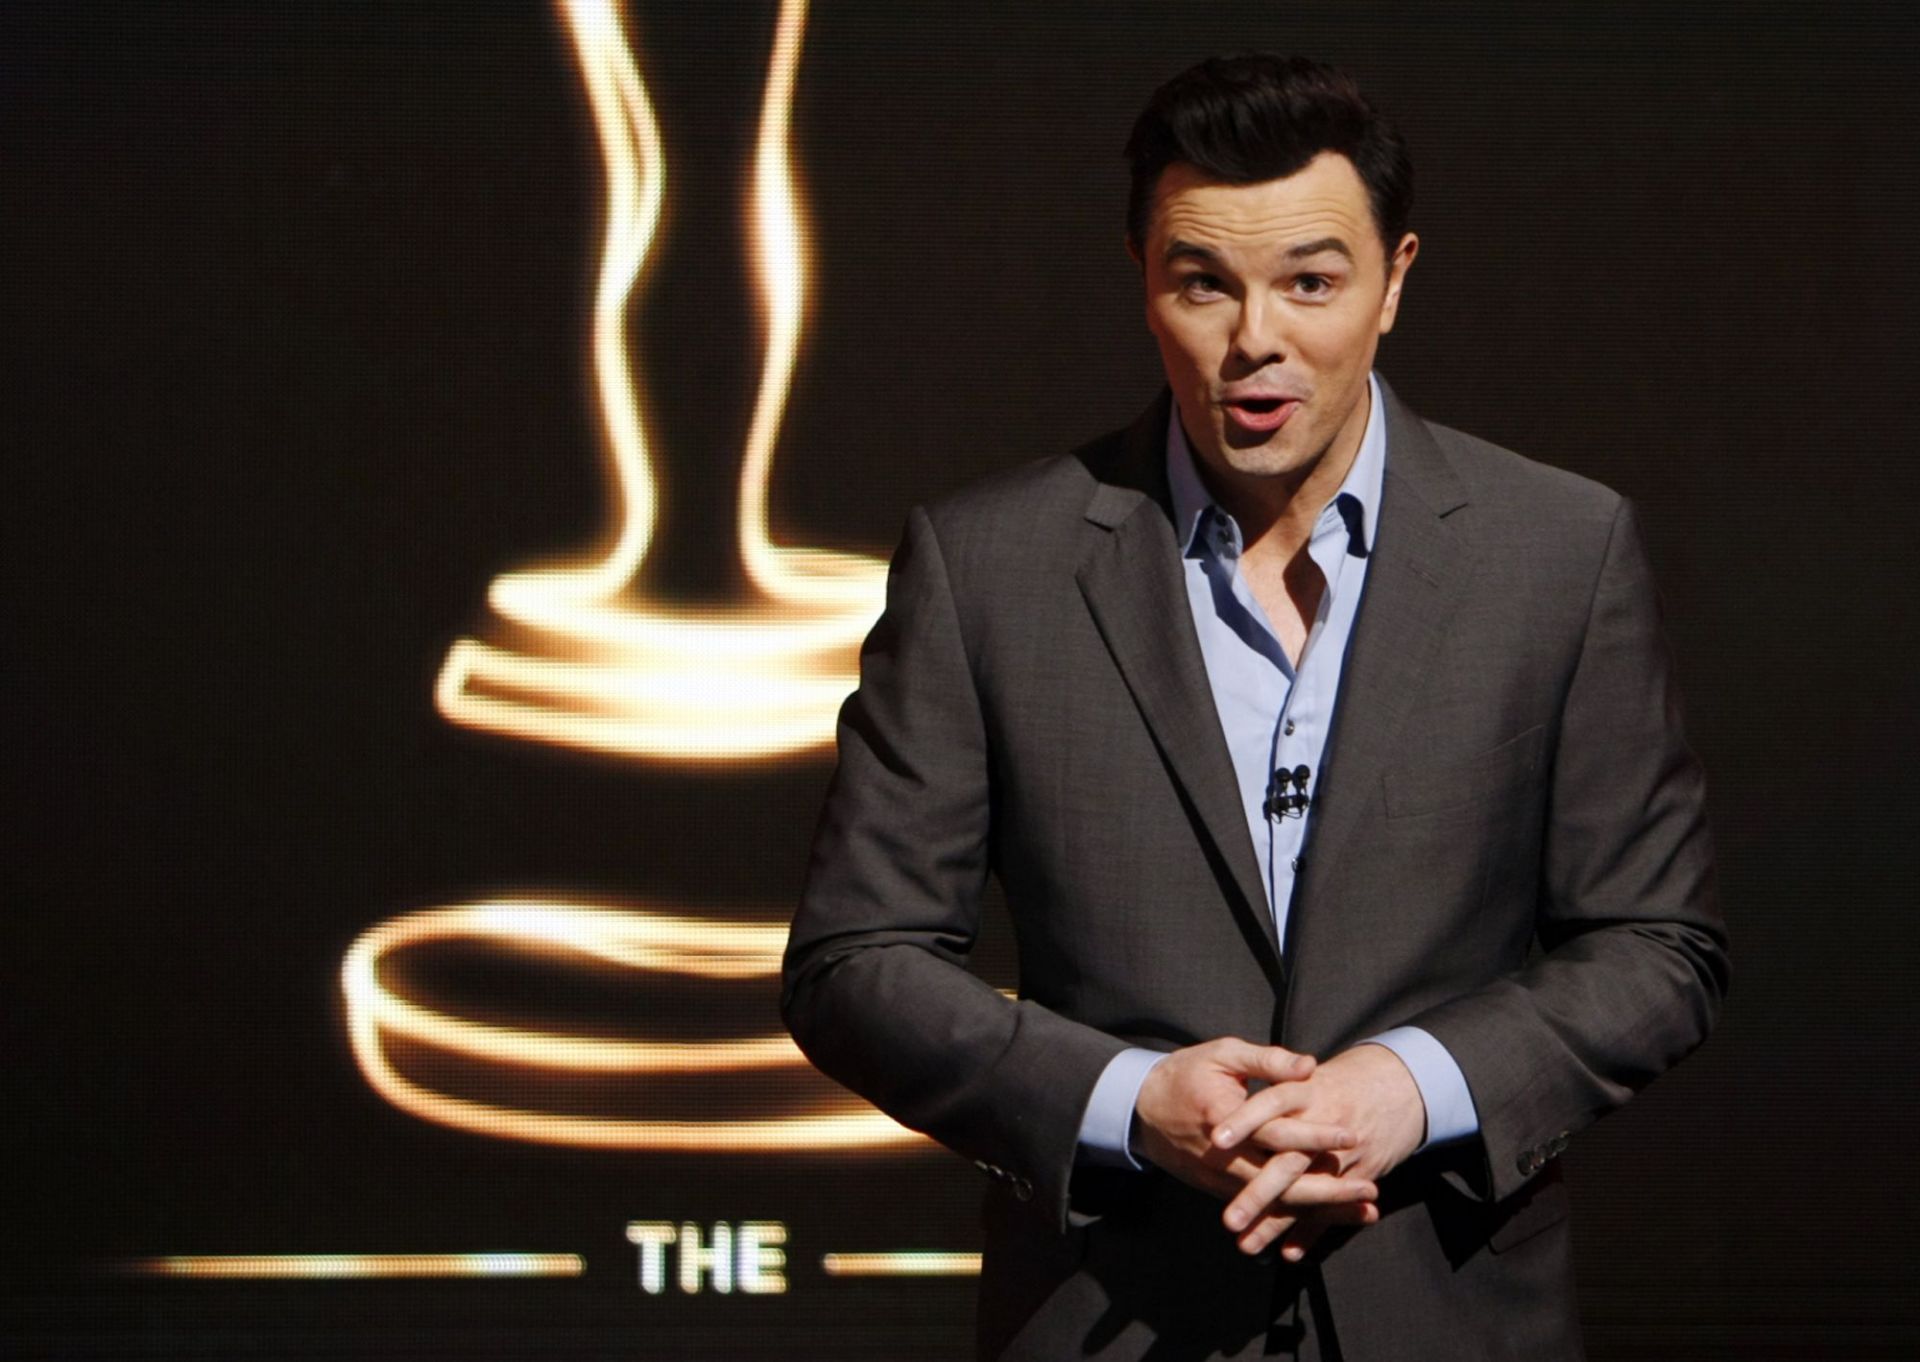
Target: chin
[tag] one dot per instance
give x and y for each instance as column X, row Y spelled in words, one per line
column 1264, row 460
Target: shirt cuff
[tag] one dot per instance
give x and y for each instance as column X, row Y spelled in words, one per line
column 1107, row 1126
column 1450, row 1113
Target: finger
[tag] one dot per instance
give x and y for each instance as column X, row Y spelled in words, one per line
column 1327, row 1189
column 1278, row 1132
column 1257, row 1109
column 1307, row 1230
column 1264, row 1231
column 1238, row 1166
column 1270, row 1227
column 1286, row 1132
column 1273, row 1063
column 1277, row 1064
column 1263, row 1189
column 1220, row 1174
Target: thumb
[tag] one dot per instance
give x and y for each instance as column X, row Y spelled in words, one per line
column 1275, row 1064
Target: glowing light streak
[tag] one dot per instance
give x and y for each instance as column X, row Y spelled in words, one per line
column 643, row 942
column 343, row 1266
column 593, row 666
column 902, row 1263
column 584, row 661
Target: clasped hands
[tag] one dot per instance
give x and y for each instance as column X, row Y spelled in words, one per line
column 1294, row 1158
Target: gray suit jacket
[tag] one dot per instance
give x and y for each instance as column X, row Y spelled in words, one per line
column 1508, row 848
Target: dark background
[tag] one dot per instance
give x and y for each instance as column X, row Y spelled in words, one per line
column 295, row 304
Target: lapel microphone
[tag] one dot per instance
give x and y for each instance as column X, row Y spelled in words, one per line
column 1285, row 803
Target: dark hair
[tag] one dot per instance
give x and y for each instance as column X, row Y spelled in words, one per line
column 1258, row 116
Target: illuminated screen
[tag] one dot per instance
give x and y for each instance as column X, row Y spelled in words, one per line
column 454, row 454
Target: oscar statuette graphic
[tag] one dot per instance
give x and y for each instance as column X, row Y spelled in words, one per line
column 575, row 655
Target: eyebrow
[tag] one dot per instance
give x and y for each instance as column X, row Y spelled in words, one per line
column 1325, row 243
column 1188, row 250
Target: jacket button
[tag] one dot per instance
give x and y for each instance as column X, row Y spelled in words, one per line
column 1558, row 1144
column 1022, row 1189
column 1525, row 1163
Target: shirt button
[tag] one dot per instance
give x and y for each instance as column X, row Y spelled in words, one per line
column 1288, row 730
column 1296, row 865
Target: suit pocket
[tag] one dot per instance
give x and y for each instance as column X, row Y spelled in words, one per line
column 1421, row 791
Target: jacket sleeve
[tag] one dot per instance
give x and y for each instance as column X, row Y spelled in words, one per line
column 875, row 985
column 1634, row 962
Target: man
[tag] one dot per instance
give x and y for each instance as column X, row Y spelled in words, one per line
column 1294, row 727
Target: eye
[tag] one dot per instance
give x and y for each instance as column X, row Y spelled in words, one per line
column 1314, row 285
column 1201, row 284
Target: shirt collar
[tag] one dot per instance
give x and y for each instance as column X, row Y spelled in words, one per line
column 1358, row 498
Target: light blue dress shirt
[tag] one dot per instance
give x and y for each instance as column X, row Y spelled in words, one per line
column 1276, row 716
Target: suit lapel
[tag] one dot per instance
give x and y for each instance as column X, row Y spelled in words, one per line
column 1134, row 587
column 1420, row 565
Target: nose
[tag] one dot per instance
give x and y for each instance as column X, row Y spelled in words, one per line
column 1257, row 338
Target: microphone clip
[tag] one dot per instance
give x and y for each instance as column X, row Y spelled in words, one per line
column 1284, row 802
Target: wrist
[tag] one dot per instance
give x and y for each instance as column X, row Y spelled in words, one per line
column 1399, row 1109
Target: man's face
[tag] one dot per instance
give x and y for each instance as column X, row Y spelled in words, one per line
column 1268, row 301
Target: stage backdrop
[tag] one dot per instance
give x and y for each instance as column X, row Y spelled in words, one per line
column 451, row 456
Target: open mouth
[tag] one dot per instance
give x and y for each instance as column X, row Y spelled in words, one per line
column 1260, row 413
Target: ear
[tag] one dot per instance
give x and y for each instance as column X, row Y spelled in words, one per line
column 1133, row 249
column 1397, row 268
